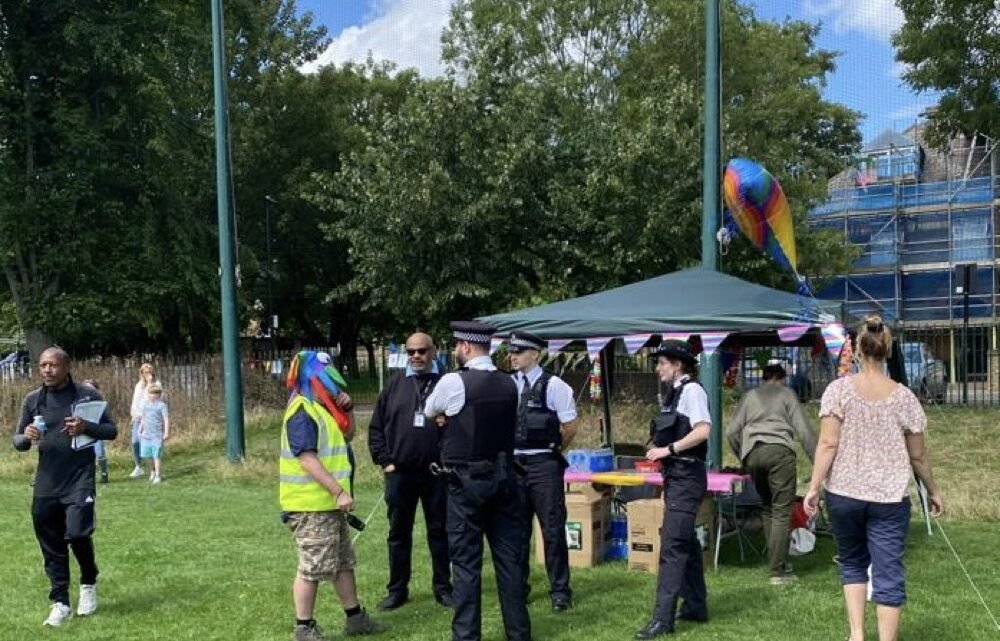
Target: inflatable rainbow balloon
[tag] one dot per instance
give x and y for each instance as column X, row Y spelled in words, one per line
column 760, row 209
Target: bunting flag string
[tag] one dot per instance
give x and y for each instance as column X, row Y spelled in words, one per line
column 835, row 335
column 495, row 344
column 556, row 345
column 595, row 345
column 710, row 341
column 635, row 342
column 792, row 333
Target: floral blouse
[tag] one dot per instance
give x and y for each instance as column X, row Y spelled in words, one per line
column 872, row 462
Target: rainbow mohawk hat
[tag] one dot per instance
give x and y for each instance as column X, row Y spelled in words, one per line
column 313, row 376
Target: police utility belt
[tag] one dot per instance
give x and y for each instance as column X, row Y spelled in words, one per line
column 475, row 469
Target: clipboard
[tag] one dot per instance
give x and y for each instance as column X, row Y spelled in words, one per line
column 90, row 411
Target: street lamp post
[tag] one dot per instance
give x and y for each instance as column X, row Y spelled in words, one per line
column 272, row 318
column 235, row 441
column 711, row 201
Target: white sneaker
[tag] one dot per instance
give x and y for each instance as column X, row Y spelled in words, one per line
column 156, row 479
column 59, row 615
column 137, row 473
column 88, row 600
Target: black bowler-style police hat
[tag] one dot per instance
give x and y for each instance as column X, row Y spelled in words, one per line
column 520, row 341
column 676, row 351
column 472, row 331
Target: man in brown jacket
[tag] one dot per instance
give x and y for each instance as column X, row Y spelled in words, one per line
column 762, row 434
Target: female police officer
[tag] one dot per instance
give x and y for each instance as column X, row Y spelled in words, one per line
column 679, row 435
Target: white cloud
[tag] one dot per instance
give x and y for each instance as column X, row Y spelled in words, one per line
column 407, row 32
column 877, row 19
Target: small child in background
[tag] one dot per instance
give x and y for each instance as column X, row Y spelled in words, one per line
column 154, row 428
column 99, row 448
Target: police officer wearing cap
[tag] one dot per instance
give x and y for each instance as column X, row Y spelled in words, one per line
column 679, row 434
column 546, row 423
column 476, row 409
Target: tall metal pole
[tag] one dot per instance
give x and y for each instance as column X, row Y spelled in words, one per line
column 235, row 443
column 711, row 200
column 273, row 326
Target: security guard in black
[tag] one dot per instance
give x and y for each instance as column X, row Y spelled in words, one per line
column 404, row 443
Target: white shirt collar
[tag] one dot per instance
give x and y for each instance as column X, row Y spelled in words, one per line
column 532, row 374
column 434, row 369
column 680, row 381
column 480, row 362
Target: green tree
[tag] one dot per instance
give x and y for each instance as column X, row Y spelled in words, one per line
column 953, row 47
column 302, row 125
column 106, row 192
column 562, row 153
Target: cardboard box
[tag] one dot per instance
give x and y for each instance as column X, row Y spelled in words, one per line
column 645, row 522
column 588, row 517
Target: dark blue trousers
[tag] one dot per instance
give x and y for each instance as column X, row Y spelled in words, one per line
column 871, row 534
column 486, row 502
column 540, row 480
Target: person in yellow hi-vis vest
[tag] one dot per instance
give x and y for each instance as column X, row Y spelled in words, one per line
column 316, row 494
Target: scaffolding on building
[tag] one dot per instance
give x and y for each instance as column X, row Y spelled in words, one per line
column 914, row 214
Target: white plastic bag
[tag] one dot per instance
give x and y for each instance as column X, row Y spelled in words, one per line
column 802, row 542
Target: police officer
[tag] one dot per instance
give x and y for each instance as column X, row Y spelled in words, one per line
column 477, row 411
column 679, row 435
column 404, row 443
column 546, row 423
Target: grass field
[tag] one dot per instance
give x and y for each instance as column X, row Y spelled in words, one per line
column 204, row 556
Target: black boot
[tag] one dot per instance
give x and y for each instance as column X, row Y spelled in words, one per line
column 654, row 629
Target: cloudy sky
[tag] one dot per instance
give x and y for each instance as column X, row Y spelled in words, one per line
column 867, row 79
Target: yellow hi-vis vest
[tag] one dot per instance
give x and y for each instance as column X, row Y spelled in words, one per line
column 297, row 490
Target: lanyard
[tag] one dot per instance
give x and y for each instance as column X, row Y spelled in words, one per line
column 422, row 391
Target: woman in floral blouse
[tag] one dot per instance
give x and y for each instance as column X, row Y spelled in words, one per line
column 871, row 437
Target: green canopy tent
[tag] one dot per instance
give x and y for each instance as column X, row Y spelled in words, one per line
column 696, row 301
column 693, row 299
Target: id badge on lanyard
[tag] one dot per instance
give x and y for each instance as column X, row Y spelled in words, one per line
column 419, row 420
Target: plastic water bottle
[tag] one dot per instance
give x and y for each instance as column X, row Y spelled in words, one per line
column 39, row 424
column 618, row 551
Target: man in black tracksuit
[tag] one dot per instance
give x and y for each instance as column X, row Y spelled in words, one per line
column 404, row 443
column 546, row 423
column 477, row 410
column 64, row 497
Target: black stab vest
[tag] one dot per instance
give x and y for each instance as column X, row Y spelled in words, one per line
column 537, row 425
column 670, row 425
column 484, row 428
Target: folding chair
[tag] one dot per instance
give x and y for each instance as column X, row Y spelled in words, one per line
column 733, row 512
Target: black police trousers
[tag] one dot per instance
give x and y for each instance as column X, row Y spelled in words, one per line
column 62, row 523
column 403, row 490
column 483, row 500
column 681, row 575
column 540, row 479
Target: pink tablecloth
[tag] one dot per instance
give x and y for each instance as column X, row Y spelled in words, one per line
column 717, row 481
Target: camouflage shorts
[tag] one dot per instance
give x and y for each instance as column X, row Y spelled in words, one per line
column 323, row 543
